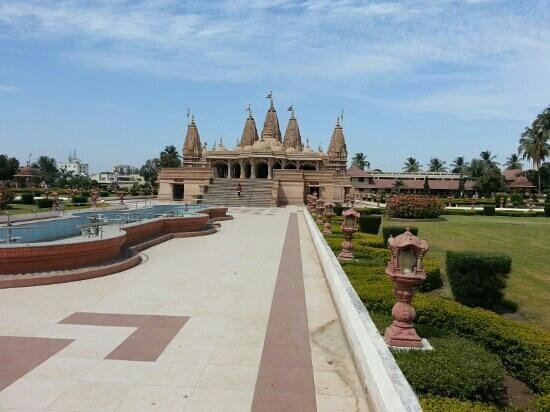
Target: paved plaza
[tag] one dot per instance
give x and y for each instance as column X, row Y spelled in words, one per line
column 235, row 321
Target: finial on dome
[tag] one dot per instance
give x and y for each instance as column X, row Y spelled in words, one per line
column 338, row 121
column 291, row 110
column 249, row 110
column 192, row 120
column 270, row 97
column 188, row 113
column 307, row 142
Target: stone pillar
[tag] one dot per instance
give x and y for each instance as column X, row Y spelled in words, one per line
column 241, row 163
column 297, row 165
column 270, row 169
column 229, row 169
column 252, row 169
column 317, row 166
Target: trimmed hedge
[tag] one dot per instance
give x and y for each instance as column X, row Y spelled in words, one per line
column 44, row 203
column 370, row 211
column 440, row 404
column 478, row 279
column 27, row 198
column 433, row 276
column 394, row 231
column 457, row 368
column 489, row 210
column 547, row 205
column 79, row 199
column 414, row 207
column 370, row 223
column 338, row 208
column 507, row 213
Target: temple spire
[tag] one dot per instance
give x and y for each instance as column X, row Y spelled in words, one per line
column 271, row 124
column 192, row 147
column 292, row 134
column 250, row 132
column 337, row 151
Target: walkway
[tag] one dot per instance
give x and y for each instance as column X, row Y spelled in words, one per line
column 236, row 321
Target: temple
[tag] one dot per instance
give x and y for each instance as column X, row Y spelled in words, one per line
column 290, row 168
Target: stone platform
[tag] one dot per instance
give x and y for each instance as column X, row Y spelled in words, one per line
column 236, row 321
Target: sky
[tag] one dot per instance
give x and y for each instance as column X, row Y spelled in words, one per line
column 424, row 78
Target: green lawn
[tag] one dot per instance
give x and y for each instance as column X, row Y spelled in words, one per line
column 526, row 240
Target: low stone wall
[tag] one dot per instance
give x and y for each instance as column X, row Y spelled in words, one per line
column 47, row 257
column 44, row 257
column 386, row 387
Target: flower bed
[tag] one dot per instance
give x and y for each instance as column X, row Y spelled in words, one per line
column 414, row 207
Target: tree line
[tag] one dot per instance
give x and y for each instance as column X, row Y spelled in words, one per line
column 533, row 146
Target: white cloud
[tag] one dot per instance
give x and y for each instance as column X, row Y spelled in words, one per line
column 472, row 56
column 8, row 88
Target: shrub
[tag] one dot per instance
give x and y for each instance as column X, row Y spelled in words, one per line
column 44, row 203
column 414, row 207
column 433, row 276
column 517, row 199
column 370, row 223
column 338, row 208
column 394, row 231
column 370, row 211
column 542, row 403
column 489, row 210
column 440, row 404
column 27, row 198
column 478, row 279
column 79, row 200
column 104, row 194
column 547, row 205
column 457, row 368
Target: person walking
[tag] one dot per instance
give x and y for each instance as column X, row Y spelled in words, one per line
column 239, row 188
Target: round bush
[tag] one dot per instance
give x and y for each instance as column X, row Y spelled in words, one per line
column 27, row 198
column 370, row 223
column 415, row 207
column 457, row 368
column 44, row 203
column 79, row 200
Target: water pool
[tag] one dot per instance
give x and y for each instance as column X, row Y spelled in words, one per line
column 46, row 231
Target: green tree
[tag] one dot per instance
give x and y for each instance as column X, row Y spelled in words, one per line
column 398, row 185
column 8, row 167
column 513, row 162
column 48, row 168
column 150, row 170
column 437, row 165
column 459, row 165
column 412, row 165
column 360, row 160
column 489, row 159
column 170, row 157
column 426, row 186
column 491, row 182
column 477, row 168
column 533, row 144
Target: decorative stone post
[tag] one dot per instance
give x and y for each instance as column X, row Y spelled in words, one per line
column 121, row 197
column 329, row 212
column 320, row 209
column 95, row 196
column 314, row 204
column 3, row 196
column 406, row 270
column 502, row 198
column 349, row 227
column 55, row 200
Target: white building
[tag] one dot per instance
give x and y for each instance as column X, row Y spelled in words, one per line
column 116, row 177
column 74, row 165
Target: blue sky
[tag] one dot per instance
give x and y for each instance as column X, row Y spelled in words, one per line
column 421, row 78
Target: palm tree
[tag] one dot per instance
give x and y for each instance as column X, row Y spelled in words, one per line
column 477, row 168
column 533, row 144
column 459, row 165
column 398, row 185
column 412, row 165
column 489, row 159
column 360, row 160
column 170, row 157
column 437, row 165
column 513, row 162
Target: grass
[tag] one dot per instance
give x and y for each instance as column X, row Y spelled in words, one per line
column 526, row 240
column 18, row 209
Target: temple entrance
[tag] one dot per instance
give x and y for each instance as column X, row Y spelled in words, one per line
column 308, row 166
column 247, row 170
column 262, row 171
column 221, row 170
column 237, row 171
column 177, row 192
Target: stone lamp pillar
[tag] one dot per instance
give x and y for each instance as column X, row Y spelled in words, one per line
column 95, row 196
column 329, row 212
column 320, row 210
column 349, row 227
column 406, row 270
column 121, row 197
column 55, row 200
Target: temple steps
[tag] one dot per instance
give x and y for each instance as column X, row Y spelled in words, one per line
column 254, row 192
